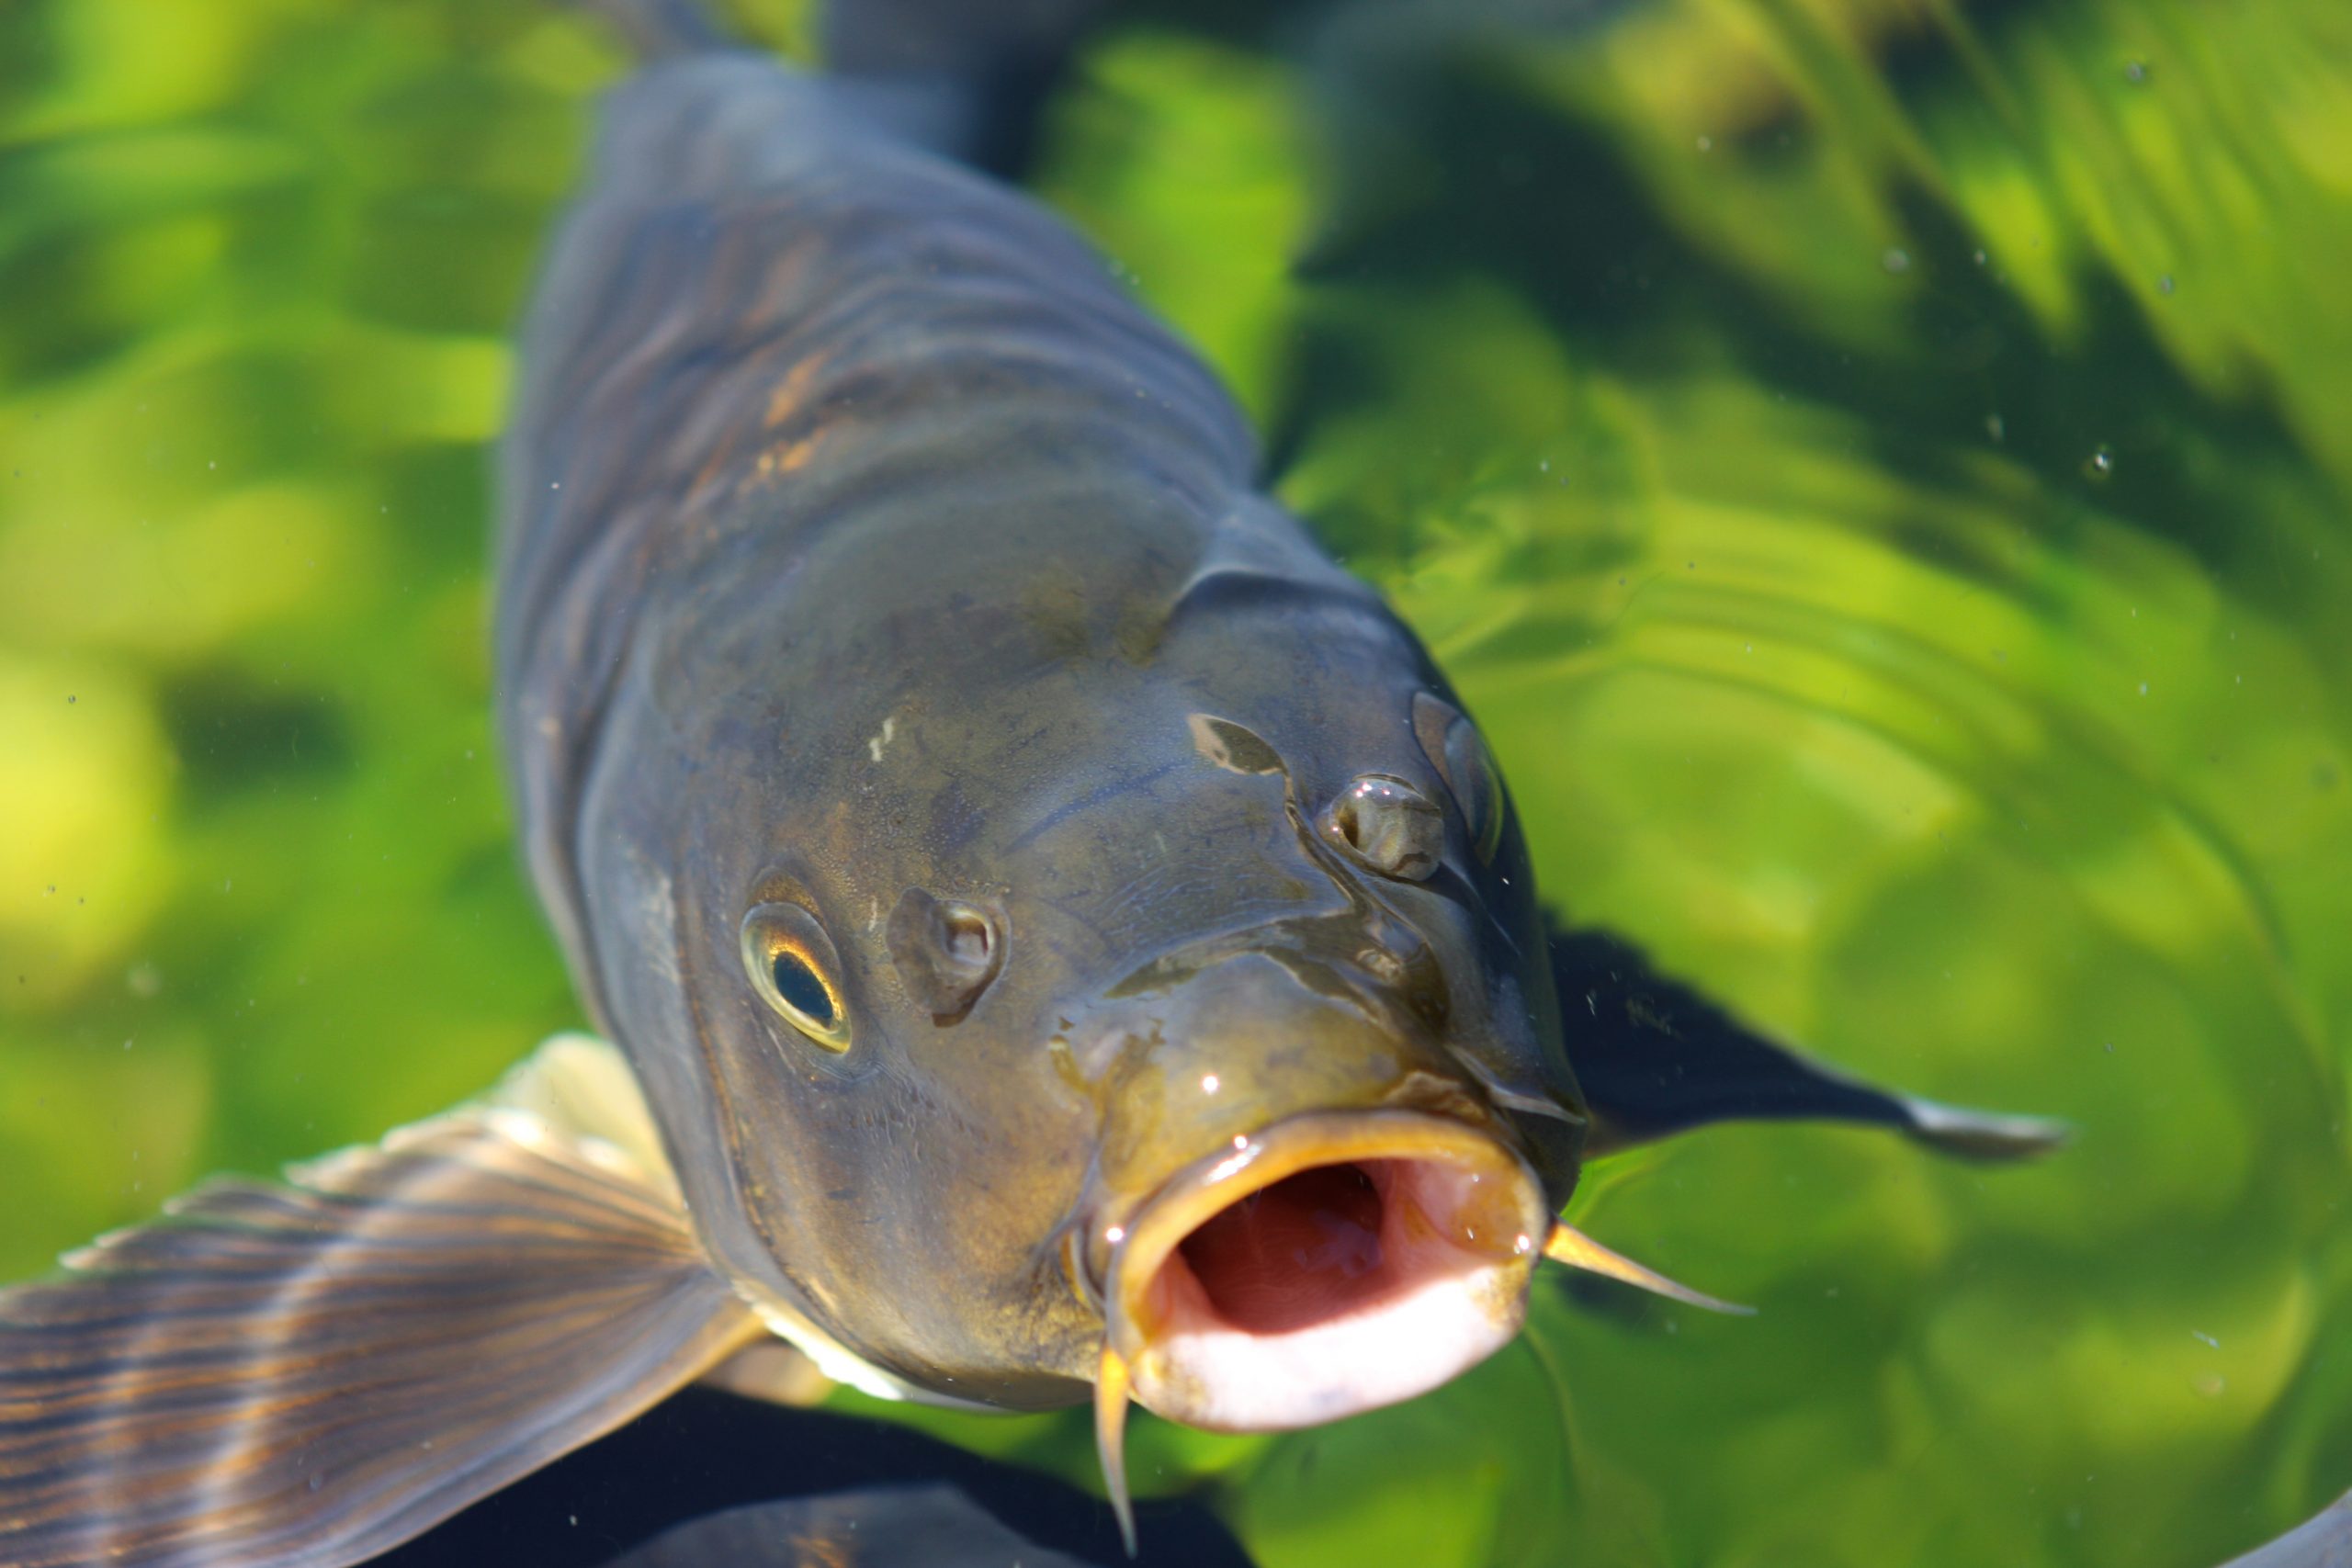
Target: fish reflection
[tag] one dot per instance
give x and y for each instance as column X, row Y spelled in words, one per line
column 711, row 1480
column 888, row 1527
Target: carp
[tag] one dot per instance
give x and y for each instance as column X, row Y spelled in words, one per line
column 1061, row 937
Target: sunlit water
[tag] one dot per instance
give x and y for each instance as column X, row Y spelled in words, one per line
column 1879, row 471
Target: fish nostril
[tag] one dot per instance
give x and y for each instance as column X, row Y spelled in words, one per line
column 967, row 937
column 947, row 951
column 1389, row 826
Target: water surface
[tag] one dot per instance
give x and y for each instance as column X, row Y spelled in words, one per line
column 1878, row 468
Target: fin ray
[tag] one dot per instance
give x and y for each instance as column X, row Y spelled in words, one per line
column 304, row 1375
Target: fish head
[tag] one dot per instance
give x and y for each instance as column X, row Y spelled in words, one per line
column 1181, row 992
column 1331, row 1126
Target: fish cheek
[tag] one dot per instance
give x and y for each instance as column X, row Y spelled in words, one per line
column 908, row 1189
column 999, row 1146
column 809, row 1152
column 775, row 1070
column 940, row 1241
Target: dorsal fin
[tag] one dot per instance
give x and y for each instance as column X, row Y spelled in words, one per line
column 303, row 1375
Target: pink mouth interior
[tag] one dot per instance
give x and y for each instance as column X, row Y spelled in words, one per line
column 1324, row 1244
column 1331, row 1287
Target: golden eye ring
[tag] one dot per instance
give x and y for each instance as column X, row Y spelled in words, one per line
column 791, row 965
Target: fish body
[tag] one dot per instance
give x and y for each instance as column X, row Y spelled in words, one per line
column 868, row 542
column 1063, row 936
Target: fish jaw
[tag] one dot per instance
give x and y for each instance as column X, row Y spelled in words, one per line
column 1330, row 1264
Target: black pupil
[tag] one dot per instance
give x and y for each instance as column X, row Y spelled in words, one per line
column 797, row 985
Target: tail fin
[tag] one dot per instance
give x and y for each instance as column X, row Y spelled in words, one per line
column 663, row 29
column 964, row 78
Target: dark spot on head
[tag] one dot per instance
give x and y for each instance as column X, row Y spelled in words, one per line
column 1233, row 746
column 954, row 819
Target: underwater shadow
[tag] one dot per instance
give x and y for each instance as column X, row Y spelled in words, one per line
column 705, row 1454
column 1531, row 194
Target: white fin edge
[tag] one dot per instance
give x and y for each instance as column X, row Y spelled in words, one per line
column 585, row 1087
column 584, row 1090
column 843, row 1365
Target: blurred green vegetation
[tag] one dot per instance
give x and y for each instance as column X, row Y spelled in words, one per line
column 1878, row 468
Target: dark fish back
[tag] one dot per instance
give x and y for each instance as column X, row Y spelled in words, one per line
column 765, row 320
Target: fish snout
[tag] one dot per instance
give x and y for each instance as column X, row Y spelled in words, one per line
column 1245, row 1041
column 1305, row 1208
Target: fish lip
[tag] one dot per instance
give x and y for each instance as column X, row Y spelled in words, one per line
column 1141, row 1244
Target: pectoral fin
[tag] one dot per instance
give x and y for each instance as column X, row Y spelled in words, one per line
column 1656, row 1058
column 2324, row 1540
column 310, row 1373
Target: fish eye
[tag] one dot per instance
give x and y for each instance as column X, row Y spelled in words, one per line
column 1452, row 745
column 1389, row 826
column 793, row 966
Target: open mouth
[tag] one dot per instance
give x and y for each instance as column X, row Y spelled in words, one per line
column 1330, row 1265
